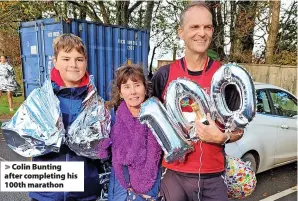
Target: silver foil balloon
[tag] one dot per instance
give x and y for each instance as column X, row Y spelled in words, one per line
column 237, row 79
column 91, row 126
column 166, row 130
column 184, row 88
column 36, row 128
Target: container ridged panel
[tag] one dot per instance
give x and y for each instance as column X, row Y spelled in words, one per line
column 108, row 47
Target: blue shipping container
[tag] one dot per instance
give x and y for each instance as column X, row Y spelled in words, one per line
column 108, row 47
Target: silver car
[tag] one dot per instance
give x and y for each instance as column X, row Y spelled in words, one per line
column 270, row 140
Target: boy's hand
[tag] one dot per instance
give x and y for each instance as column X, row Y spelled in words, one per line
column 209, row 133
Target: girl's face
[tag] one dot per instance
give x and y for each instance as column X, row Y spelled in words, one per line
column 3, row 59
column 133, row 93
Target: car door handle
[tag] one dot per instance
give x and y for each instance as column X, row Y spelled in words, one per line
column 284, row 126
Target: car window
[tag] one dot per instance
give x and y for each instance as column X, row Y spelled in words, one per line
column 263, row 105
column 284, row 104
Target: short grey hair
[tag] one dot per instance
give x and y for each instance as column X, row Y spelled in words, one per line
column 191, row 5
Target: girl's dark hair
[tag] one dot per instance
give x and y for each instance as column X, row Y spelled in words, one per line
column 4, row 56
column 122, row 75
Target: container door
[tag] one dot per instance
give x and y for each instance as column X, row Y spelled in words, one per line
column 30, row 58
column 37, row 51
column 48, row 33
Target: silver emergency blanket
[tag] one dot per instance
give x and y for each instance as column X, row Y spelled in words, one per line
column 36, row 128
column 233, row 74
column 7, row 78
column 90, row 127
column 165, row 129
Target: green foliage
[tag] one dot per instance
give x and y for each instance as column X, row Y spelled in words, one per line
column 4, row 108
column 287, row 34
column 212, row 54
column 13, row 12
column 286, row 45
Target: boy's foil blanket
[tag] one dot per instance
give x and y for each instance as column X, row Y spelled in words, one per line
column 37, row 128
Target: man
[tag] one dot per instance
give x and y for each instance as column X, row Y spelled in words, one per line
column 201, row 175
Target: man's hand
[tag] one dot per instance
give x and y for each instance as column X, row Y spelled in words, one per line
column 209, row 133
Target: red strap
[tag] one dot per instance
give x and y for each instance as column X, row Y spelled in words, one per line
column 204, row 68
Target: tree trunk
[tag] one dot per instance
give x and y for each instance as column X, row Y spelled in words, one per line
column 74, row 11
column 125, row 14
column 140, row 16
column 151, row 63
column 218, row 37
column 174, row 52
column 273, row 31
column 247, row 39
column 2, row 43
column 83, row 13
column 65, row 9
column 122, row 15
column 148, row 15
column 242, row 42
column 104, row 13
column 118, row 12
column 232, row 26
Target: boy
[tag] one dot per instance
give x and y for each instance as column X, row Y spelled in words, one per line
column 70, row 82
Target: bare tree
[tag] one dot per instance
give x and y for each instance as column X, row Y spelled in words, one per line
column 148, row 15
column 218, row 37
column 273, row 30
column 242, row 32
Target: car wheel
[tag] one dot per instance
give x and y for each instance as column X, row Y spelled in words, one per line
column 253, row 163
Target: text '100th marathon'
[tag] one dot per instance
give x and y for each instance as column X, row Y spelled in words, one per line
column 42, row 176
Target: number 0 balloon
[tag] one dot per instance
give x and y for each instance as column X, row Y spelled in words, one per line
column 233, row 79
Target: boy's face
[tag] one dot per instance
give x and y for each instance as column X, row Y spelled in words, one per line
column 72, row 67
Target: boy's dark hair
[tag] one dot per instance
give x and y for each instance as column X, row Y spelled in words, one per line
column 68, row 42
column 6, row 57
column 191, row 5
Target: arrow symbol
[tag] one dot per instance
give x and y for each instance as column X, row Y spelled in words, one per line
column 7, row 167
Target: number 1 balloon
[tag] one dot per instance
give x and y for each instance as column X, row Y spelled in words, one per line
column 165, row 129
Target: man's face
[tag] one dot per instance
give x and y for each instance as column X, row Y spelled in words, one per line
column 196, row 30
column 72, row 67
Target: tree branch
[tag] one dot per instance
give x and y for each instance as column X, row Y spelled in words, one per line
column 103, row 10
column 94, row 13
column 133, row 7
column 175, row 7
column 77, row 4
column 157, row 7
column 89, row 9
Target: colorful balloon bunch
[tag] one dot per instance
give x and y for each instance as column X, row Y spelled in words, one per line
column 241, row 179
